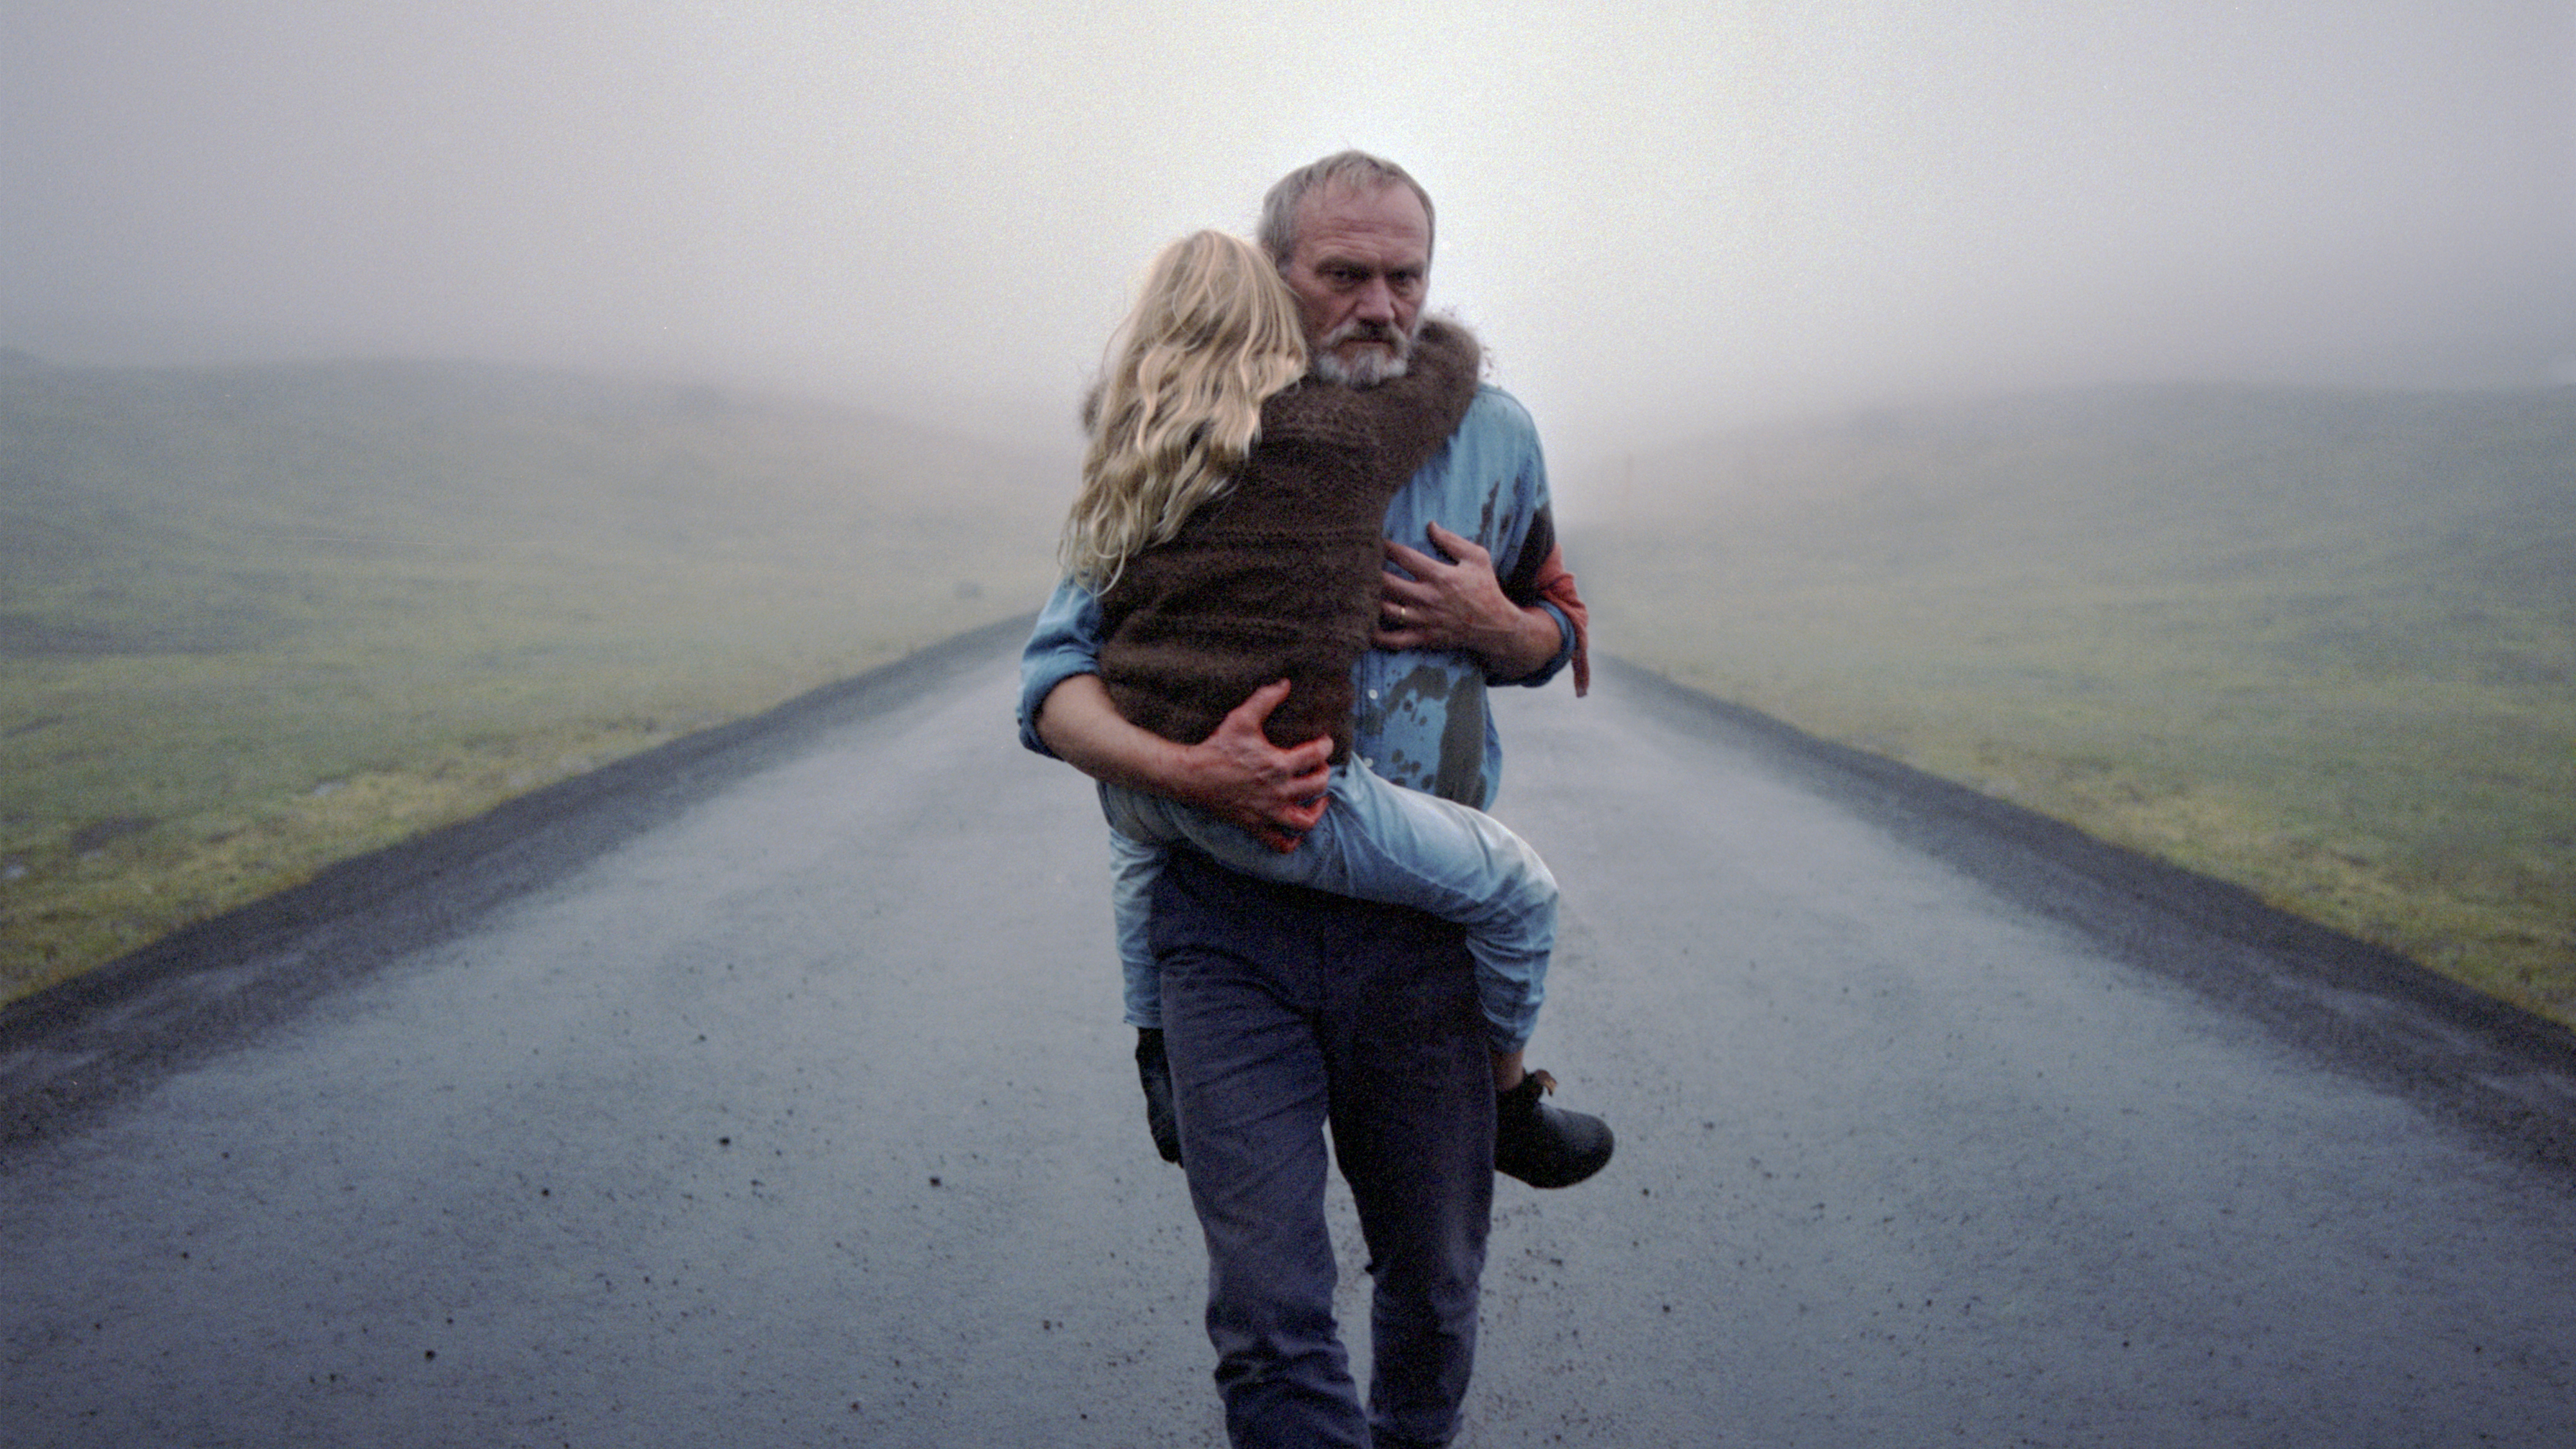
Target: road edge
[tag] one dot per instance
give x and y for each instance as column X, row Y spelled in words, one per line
column 2507, row 1074
column 85, row 1043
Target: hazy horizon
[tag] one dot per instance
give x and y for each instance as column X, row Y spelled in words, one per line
column 1659, row 222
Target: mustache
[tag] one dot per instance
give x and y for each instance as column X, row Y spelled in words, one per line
column 1364, row 330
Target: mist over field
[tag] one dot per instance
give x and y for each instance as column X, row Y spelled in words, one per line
column 1661, row 218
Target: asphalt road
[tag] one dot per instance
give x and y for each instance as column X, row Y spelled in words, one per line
column 770, row 1091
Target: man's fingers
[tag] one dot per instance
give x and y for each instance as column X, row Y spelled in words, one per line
column 1458, row 546
column 1315, row 757
column 1287, row 826
column 1399, row 593
column 1297, row 794
column 1412, row 560
column 1290, row 823
column 1256, row 706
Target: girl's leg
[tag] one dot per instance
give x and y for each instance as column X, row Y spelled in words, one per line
column 1134, row 865
column 1380, row 842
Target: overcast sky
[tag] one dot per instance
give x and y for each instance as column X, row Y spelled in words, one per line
column 1661, row 218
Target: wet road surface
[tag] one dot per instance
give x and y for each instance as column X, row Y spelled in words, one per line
column 770, row 1091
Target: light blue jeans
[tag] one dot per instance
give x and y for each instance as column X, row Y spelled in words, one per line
column 1376, row 842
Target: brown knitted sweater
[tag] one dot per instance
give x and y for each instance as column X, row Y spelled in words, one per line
column 1277, row 578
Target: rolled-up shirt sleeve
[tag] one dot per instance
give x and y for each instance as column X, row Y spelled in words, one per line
column 1566, row 643
column 1539, row 579
column 1066, row 642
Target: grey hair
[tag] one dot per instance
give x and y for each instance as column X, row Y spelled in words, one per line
column 1348, row 169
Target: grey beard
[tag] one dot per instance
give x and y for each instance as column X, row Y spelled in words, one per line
column 1370, row 368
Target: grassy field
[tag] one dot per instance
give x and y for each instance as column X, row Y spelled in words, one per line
column 2319, row 644
column 256, row 620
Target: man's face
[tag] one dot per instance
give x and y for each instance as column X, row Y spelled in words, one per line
column 1362, row 263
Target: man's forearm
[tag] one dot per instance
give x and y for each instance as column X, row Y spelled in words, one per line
column 1235, row 774
column 1087, row 732
column 1521, row 647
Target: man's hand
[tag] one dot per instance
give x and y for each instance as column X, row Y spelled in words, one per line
column 1458, row 603
column 1235, row 774
column 1276, row 794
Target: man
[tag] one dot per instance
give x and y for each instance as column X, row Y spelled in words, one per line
column 1284, row 1012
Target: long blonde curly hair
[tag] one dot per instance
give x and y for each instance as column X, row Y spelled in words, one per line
column 1213, row 335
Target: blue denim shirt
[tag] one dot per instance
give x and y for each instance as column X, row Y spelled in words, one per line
column 1422, row 719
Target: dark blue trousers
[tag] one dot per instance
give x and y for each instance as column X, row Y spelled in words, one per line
column 1287, row 1014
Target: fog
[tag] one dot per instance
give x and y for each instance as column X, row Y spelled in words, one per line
column 1661, row 218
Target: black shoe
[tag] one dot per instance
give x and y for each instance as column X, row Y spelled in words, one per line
column 1155, row 1071
column 1546, row 1146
